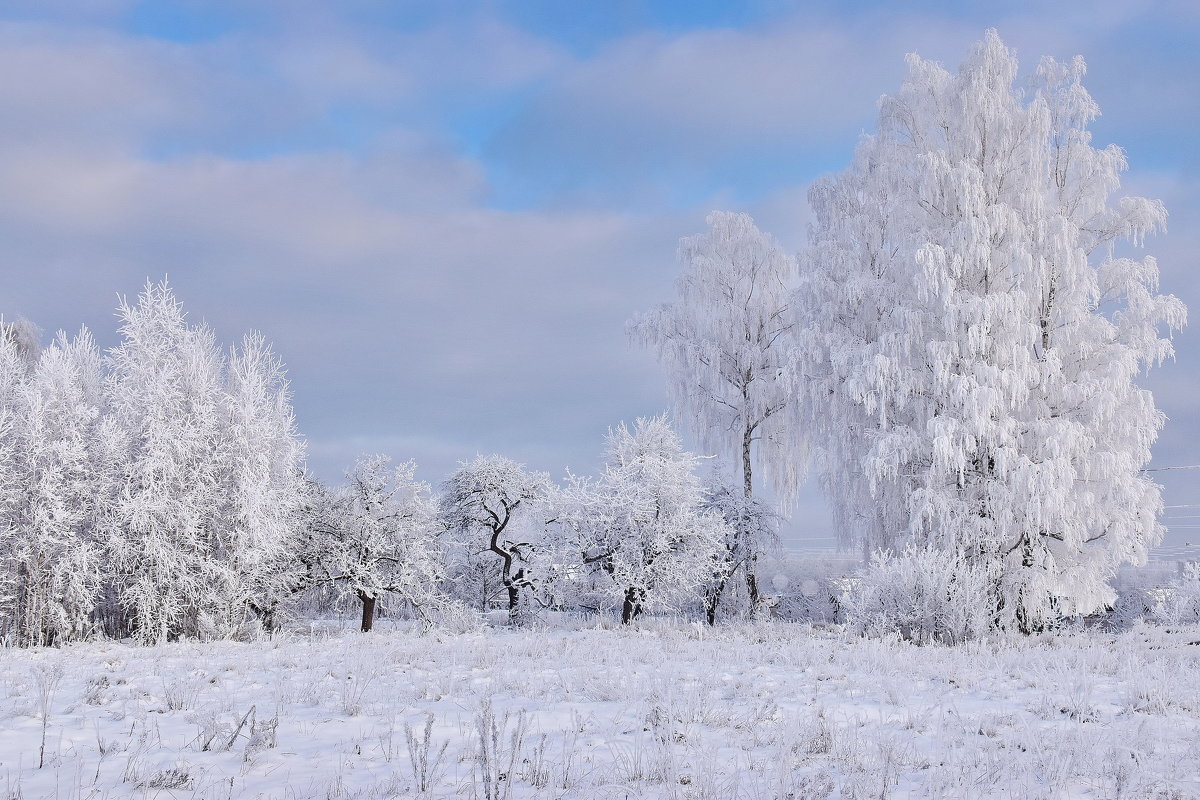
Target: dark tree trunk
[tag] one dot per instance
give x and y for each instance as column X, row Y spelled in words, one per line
column 368, row 611
column 266, row 615
column 514, row 611
column 510, row 582
column 1025, row 624
column 712, row 601
column 632, row 606
column 750, row 559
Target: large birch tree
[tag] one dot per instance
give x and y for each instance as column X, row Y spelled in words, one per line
column 977, row 331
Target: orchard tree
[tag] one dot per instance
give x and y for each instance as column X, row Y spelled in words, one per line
column 644, row 522
column 747, row 518
column 976, row 336
column 380, row 534
column 482, row 498
column 725, row 345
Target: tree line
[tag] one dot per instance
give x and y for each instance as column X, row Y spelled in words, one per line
column 159, row 491
column 956, row 352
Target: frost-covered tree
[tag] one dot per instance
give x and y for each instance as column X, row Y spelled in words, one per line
column 482, row 500
column 747, row 519
column 24, row 337
column 380, row 534
column 152, row 492
column 725, row 345
column 61, row 503
column 14, row 370
column 165, row 388
column 976, row 336
column 261, row 460
column 644, row 523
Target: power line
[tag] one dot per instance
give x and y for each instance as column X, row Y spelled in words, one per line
column 1164, row 469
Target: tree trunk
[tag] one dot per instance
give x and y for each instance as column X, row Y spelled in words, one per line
column 750, row 561
column 712, row 601
column 632, row 605
column 721, row 575
column 1025, row 624
column 506, row 577
column 368, row 611
column 514, row 611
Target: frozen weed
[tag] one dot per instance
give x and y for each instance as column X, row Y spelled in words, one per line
column 12, row 791
column 177, row 777
column 263, row 736
column 46, row 680
column 567, row 779
column 818, row 738
column 180, row 694
column 499, row 749
column 211, row 728
column 427, row 765
column 352, row 692
column 1070, row 691
column 535, row 769
column 629, row 761
column 133, row 761
column 97, row 691
column 1122, row 767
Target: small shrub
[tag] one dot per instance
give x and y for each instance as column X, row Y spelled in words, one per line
column 1179, row 603
column 924, row 594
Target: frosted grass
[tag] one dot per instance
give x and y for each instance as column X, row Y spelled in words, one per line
column 663, row 710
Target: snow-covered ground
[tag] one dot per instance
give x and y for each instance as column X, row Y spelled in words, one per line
column 581, row 710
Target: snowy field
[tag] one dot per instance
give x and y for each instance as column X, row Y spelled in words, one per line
column 771, row 710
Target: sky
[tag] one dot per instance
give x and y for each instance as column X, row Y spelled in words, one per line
column 442, row 213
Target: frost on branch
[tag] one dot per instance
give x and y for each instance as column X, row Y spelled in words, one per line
column 54, row 471
column 977, row 334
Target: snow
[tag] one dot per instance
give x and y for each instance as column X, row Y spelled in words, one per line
column 580, row 709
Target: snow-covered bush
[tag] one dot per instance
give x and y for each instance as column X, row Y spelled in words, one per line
column 925, row 594
column 1138, row 591
column 1179, row 602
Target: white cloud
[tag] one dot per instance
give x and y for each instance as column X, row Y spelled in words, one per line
column 415, row 318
